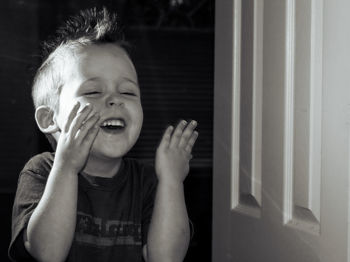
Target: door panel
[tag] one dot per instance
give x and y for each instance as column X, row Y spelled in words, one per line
column 281, row 131
column 303, row 112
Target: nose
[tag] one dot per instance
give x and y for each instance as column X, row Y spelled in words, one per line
column 114, row 100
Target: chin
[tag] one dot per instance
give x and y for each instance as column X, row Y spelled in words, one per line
column 109, row 154
column 110, row 151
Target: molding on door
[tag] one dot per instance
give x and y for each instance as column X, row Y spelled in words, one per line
column 303, row 112
column 247, row 200
column 236, row 67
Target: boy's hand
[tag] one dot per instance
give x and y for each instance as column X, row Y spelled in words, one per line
column 76, row 138
column 174, row 152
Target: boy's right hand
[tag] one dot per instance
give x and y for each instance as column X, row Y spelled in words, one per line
column 76, row 138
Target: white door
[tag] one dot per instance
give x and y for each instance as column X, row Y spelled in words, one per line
column 281, row 131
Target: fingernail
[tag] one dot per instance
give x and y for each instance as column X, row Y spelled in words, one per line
column 194, row 123
column 85, row 108
column 183, row 122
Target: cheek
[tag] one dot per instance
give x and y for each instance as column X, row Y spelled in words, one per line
column 65, row 107
column 65, row 110
column 136, row 114
column 139, row 113
column 97, row 106
column 61, row 118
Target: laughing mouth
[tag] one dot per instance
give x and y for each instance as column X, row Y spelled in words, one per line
column 114, row 124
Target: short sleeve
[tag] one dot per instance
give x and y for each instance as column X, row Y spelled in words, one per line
column 29, row 191
column 149, row 187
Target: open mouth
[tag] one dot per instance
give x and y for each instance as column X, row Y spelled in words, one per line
column 113, row 125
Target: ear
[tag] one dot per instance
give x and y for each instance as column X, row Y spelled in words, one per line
column 44, row 117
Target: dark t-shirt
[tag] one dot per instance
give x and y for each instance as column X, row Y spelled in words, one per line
column 113, row 214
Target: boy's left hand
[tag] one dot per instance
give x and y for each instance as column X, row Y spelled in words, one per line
column 174, row 152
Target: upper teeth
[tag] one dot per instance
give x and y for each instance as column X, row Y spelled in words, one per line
column 114, row 122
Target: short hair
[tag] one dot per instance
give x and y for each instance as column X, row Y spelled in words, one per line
column 92, row 26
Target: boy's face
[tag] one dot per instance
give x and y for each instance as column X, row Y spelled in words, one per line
column 104, row 76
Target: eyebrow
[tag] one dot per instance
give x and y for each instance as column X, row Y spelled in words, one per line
column 83, row 84
column 91, row 80
column 130, row 80
column 96, row 79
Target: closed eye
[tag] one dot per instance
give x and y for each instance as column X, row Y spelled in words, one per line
column 91, row 93
column 129, row 93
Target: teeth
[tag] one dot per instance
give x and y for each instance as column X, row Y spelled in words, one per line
column 114, row 122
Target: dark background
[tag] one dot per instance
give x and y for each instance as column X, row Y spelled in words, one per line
column 173, row 51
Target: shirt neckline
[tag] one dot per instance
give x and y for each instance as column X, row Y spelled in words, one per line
column 104, row 183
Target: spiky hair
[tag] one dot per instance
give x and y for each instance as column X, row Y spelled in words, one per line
column 92, row 26
column 89, row 26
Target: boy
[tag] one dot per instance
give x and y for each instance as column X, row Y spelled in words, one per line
column 86, row 202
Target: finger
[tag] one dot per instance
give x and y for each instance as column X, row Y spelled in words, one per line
column 191, row 142
column 86, row 127
column 186, row 135
column 166, row 137
column 90, row 136
column 175, row 138
column 71, row 116
column 79, row 119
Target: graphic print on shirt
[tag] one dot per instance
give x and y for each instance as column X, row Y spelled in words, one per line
column 106, row 233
